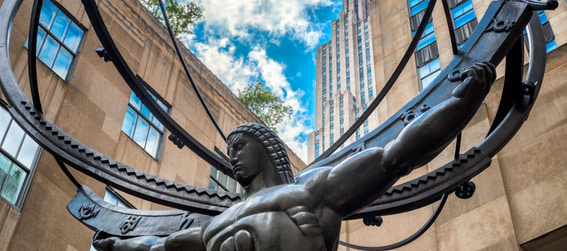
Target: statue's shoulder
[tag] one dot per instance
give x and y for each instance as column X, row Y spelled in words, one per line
column 314, row 181
column 313, row 175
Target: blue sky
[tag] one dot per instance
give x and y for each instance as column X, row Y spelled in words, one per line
column 243, row 41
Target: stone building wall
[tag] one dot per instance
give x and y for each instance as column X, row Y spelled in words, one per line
column 90, row 107
column 519, row 203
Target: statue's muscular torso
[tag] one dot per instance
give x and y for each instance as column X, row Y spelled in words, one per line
column 285, row 217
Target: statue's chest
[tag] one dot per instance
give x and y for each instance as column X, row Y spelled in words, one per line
column 264, row 220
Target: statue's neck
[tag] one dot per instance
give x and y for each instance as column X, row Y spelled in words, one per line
column 260, row 182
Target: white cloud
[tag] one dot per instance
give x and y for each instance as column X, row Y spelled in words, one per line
column 292, row 131
column 278, row 18
column 258, row 24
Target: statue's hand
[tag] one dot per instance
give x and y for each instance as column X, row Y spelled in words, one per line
column 150, row 243
column 105, row 244
column 478, row 79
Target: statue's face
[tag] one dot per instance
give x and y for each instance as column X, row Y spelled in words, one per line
column 247, row 156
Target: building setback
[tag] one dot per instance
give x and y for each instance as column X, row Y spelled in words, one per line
column 345, row 81
column 86, row 97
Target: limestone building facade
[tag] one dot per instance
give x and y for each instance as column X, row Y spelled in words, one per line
column 519, row 203
column 87, row 98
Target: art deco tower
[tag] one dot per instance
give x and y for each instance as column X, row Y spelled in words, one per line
column 345, row 79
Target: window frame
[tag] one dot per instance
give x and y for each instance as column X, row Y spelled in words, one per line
column 218, row 173
column 61, row 44
column 31, row 170
column 151, row 124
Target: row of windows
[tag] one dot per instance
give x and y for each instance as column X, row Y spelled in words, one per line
column 59, row 41
column 58, row 44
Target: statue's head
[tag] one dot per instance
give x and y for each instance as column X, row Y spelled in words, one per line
column 263, row 144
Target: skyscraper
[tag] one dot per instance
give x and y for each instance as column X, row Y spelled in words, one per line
column 354, row 65
column 345, row 78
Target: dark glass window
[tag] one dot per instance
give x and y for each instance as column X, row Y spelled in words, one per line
column 464, row 19
column 427, row 52
column 547, row 32
column 220, row 181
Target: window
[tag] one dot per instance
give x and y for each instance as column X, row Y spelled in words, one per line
column 18, row 159
column 59, row 39
column 220, row 181
column 427, row 38
column 547, row 32
column 427, row 52
column 464, row 19
column 428, row 72
column 115, row 199
column 463, row 13
column 142, row 127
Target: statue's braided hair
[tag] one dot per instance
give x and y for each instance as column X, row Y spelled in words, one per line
column 273, row 146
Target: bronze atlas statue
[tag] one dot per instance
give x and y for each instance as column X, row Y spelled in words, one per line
column 279, row 213
column 280, row 210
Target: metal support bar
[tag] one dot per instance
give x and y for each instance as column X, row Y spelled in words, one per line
column 409, row 239
column 32, row 52
column 203, row 103
column 451, row 26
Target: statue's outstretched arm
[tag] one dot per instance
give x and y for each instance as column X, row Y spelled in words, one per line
column 427, row 135
column 362, row 178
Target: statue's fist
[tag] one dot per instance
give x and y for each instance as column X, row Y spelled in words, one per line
column 477, row 80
